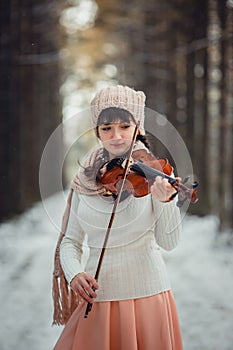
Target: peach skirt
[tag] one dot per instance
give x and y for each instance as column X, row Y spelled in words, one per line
column 149, row 323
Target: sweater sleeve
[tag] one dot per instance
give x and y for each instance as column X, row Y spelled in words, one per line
column 71, row 249
column 167, row 224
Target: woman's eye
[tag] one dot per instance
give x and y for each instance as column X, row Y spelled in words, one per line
column 106, row 128
column 125, row 126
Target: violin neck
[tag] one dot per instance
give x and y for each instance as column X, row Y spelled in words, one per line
column 148, row 172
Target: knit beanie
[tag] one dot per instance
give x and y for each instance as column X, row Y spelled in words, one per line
column 120, row 97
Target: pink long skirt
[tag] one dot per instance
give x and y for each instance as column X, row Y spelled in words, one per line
column 149, row 323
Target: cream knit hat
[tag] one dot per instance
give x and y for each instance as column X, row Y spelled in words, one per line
column 120, row 97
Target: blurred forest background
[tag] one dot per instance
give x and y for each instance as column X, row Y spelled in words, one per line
column 56, row 54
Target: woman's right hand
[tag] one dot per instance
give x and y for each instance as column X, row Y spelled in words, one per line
column 82, row 284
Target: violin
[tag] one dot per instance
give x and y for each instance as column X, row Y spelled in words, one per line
column 141, row 174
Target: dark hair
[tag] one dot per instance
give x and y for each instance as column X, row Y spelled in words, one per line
column 108, row 116
column 113, row 115
column 144, row 140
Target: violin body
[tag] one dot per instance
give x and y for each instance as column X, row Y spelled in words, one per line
column 134, row 183
column 141, row 175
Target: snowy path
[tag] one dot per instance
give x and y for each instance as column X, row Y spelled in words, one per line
column 200, row 270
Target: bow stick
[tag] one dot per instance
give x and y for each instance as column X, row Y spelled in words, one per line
column 89, row 305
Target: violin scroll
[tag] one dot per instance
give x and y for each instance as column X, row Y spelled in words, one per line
column 191, row 194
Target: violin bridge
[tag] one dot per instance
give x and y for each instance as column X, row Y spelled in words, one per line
column 131, row 162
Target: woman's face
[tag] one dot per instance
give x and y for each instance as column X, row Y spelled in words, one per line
column 116, row 137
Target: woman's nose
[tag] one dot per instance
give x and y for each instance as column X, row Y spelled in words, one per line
column 116, row 134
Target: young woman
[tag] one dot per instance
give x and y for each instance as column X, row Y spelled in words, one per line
column 132, row 303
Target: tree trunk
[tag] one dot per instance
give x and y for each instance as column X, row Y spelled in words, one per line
column 226, row 144
column 30, row 101
column 214, row 118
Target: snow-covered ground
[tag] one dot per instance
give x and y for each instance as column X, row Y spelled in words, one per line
column 200, row 270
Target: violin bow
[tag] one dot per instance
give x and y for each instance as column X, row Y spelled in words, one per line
column 116, row 202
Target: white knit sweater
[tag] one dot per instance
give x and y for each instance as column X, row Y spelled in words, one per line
column 133, row 266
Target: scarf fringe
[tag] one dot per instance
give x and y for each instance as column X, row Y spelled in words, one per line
column 64, row 299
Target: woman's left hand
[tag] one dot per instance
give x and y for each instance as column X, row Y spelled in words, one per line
column 162, row 189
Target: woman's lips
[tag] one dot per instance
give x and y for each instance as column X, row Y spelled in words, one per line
column 117, row 144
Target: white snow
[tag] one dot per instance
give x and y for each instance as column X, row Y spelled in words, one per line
column 200, row 269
